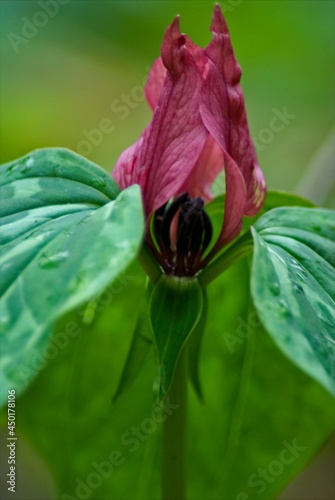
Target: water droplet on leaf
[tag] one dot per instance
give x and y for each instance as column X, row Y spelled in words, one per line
column 316, row 228
column 27, row 166
column 98, row 183
column 68, row 231
column 50, row 261
column 4, row 320
column 283, row 309
column 274, row 288
column 10, row 170
column 80, row 281
column 58, row 171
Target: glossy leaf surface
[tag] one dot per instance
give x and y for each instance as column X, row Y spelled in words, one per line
column 65, row 237
column 293, row 280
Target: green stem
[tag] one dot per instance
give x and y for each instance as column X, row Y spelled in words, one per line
column 242, row 247
column 149, row 263
column 174, row 437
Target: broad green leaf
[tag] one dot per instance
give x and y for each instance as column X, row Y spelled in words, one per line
column 175, row 309
column 293, row 280
column 53, row 176
column 63, row 241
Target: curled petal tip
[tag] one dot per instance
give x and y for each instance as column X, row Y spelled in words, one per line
column 171, row 49
column 219, row 24
column 173, row 35
column 174, row 28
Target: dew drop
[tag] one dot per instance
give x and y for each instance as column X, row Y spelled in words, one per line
column 68, row 231
column 296, row 286
column 27, row 166
column 274, row 289
column 10, row 170
column 78, row 282
column 4, row 320
column 316, row 228
column 51, row 261
column 99, row 183
column 296, row 265
column 300, row 275
column 283, row 309
column 58, row 171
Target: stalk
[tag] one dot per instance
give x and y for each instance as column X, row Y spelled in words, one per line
column 149, row 264
column 174, row 437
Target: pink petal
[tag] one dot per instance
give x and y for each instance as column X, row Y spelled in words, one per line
column 198, row 55
column 169, row 147
column 155, row 83
column 224, row 115
column 234, row 121
column 158, row 72
column 214, row 101
column 205, row 171
column 234, row 202
column 124, row 170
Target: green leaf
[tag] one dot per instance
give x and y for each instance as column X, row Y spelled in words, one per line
column 139, row 347
column 276, row 199
column 53, row 176
column 194, row 348
column 215, row 211
column 63, row 241
column 292, row 283
column 175, row 309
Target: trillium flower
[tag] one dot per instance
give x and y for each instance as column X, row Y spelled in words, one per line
column 199, row 127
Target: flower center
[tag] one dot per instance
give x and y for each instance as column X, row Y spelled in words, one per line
column 183, row 231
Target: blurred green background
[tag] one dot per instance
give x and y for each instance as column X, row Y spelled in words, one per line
column 64, row 78
column 65, row 81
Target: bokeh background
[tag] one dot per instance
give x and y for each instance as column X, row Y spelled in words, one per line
column 74, row 78
column 76, row 69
